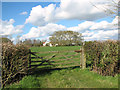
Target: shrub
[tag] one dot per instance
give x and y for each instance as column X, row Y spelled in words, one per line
column 102, row 56
column 14, row 62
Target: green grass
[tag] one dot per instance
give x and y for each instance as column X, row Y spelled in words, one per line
column 64, row 78
column 67, row 78
column 63, row 48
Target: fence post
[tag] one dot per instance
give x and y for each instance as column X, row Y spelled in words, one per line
column 83, row 59
column 29, row 58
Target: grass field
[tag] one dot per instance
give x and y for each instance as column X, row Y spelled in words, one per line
column 64, row 78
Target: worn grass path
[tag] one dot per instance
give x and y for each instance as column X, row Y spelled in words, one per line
column 67, row 78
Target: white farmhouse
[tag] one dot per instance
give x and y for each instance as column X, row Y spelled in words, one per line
column 47, row 43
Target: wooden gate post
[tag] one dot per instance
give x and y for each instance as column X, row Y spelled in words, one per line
column 83, row 59
column 29, row 58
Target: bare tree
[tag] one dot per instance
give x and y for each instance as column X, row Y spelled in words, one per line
column 112, row 7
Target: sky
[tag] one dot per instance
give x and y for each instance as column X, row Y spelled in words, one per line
column 38, row 20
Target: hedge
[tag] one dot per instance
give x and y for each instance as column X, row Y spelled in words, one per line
column 15, row 59
column 102, row 57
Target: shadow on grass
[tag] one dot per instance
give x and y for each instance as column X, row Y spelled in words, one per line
column 47, row 70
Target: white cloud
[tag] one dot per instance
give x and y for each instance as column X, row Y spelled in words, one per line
column 7, row 28
column 82, row 27
column 89, row 29
column 88, row 34
column 23, row 13
column 102, row 30
column 69, row 9
column 91, row 25
column 102, row 35
column 104, row 25
column 80, row 9
column 43, row 31
column 40, row 16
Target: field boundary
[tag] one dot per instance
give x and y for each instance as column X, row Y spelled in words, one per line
column 64, row 62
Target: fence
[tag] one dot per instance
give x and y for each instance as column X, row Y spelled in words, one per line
column 57, row 59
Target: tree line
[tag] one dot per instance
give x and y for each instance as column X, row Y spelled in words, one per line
column 59, row 38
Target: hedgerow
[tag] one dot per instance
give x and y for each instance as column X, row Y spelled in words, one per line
column 14, row 62
column 102, row 56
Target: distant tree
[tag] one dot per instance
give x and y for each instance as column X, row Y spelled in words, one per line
column 33, row 42
column 37, row 43
column 41, row 43
column 64, row 38
column 27, row 42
